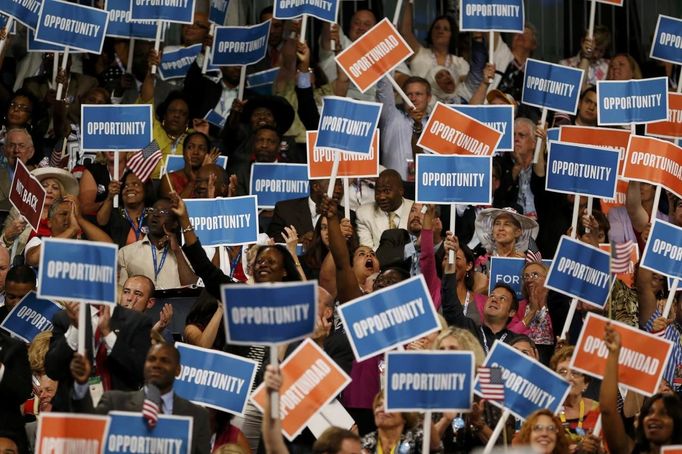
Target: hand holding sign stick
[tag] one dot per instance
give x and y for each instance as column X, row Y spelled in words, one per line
column 207, row 50
column 157, row 41
column 60, row 86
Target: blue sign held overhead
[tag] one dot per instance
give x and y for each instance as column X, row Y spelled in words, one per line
column 118, row 127
column 553, row 134
column 508, row 270
column 269, row 313
column 179, row 11
column 224, row 222
column 240, row 46
column 273, row 182
column 667, row 45
column 528, row 384
column 347, row 125
column 36, row 46
column 78, row 270
column 176, row 162
column 290, row 9
column 216, row 119
column 632, row 101
column 214, row 379
column 261, row 82
column 218, row 11
column 663, row 251
column 582, row 169
column 175, row 64
column 498, row 117
column 72, row 25
column 127, row 429
column 551, row 86
column 25, row 11
column 120, row 25
column 492, row 15
column 389, row 317
column 580, row 271
column 453, row 179
column 429, row 381
column 30, row 317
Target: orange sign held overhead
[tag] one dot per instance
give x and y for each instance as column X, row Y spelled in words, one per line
column 373, row 55
column 353, row 165
column 310, row 380
column 610, row 138
column 642, row 358
column 672, row 127
column 654, row 161
column 612, row 2
column 66, row 432
column 451, row 132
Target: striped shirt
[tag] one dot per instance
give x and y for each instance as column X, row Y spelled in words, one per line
column 674, row 335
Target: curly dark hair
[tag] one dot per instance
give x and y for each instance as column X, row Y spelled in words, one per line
column 673, row 407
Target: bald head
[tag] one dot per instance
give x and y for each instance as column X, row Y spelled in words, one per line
column 18, row 145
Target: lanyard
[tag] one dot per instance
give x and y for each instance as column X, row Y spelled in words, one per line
column 138, row 229
column 163, row 259
column 235, row 262
column 562, row 415
column 466, row 303
column 485, row 340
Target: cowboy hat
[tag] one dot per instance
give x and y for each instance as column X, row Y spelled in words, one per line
column 67, row 180
column 486, row 219
column 280, row 108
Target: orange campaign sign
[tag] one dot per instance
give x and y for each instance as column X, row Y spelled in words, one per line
column 672, row 127
column 654, row 161
column 352, row 165
column 610, row 138
column 310, row 380
column 374, row 54
column 612, row 2
column 642, row 358
column 67, row 432
column 676, row 449
column 451, row 132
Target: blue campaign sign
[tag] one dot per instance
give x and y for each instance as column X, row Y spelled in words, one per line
column 224, row 222
column 36, row 46
column 582, row 169
column 261, row 82
column 118, row 127
column 500, row 118
column 269, row 313
column 30, row 317
column 120, row 25
column 429, row 381
column 240, row 46
column 492, row 15
column 528, row 384
column 553, row 134
column 179, row 11
column 175, row 64
column 667, row 45
column 273, row 182
column 78, row 270
column 289, row 9
column 72, row 25
column 508, row 270
column 25, row 11
column 389, row 317
column 347, row 125
column 581, row 271
column 663, row 252
column 218, row 11
column 129, row 432
column 214, row 379
column 551, row 86
column 632, row 101
column 453, row 179
column 216, row 119
column 175, row 162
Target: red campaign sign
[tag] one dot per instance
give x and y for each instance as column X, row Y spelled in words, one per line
column 27, row 195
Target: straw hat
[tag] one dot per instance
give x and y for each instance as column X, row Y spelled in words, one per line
column 65, row 177
column 486, row 219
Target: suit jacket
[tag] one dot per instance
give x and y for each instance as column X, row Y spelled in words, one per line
column 15, row 387
column 125, row 362
column 372, row 222
column 297, row 213
column 133, row 400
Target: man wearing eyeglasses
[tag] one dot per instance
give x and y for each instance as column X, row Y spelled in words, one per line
column 159, row 255
column 18, row 145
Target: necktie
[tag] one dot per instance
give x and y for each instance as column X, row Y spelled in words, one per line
column 151, row 406
column 391, row 220
column 101, row 360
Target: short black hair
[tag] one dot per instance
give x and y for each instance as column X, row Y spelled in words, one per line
column 196, row 133
column 172, row 96
column 515, row 301
column 268, row 128
column 417, row 80
column 22, row 274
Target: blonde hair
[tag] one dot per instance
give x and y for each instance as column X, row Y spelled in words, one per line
column 230, row 448
column 37, row 350
column 466, row 341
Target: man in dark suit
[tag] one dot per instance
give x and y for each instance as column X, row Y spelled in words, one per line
column 161, row 366
column 117, row 341
column 15, row 388
column 302, row 213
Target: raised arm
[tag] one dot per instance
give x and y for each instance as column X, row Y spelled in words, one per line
column 147, row 88
column 633, row 203
column 406, row 28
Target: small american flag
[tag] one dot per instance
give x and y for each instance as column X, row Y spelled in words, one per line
column 621, row 261
column 144, row 161
column 533, row 256
column 492, row 385
column 150, row 407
